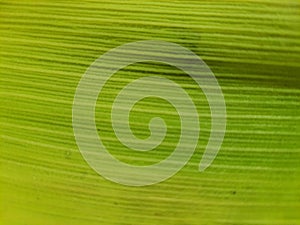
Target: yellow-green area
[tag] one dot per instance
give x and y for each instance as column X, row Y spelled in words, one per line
column 253, row 48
